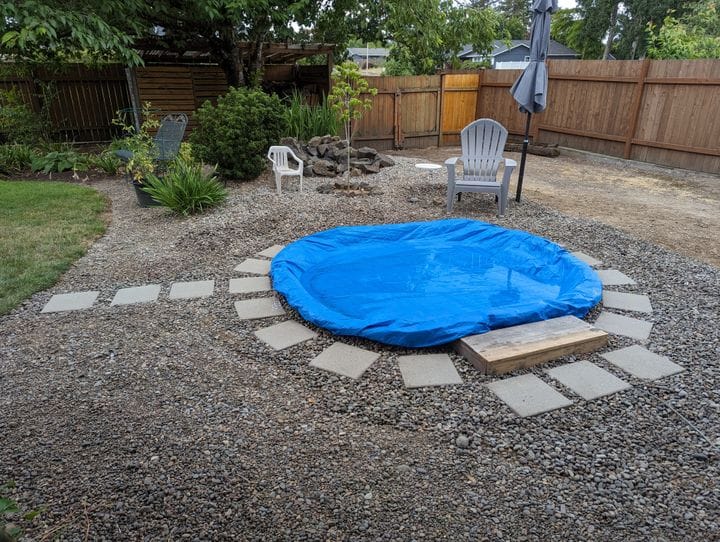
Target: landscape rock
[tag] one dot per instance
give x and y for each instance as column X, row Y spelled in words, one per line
column 324, row 168
column 367, row 152
column 334, row 150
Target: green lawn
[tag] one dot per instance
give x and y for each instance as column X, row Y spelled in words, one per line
column 44, row 228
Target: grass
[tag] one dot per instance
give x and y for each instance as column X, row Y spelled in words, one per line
column 44, row 228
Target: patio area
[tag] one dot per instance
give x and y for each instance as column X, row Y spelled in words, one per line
column 174, row 419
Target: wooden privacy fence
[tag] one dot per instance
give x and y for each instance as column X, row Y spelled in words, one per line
column 81, row 102
column 665, row 111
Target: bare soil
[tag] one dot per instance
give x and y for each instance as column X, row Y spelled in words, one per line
column 674, row 208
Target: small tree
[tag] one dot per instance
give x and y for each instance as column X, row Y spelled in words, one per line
column 345, row 99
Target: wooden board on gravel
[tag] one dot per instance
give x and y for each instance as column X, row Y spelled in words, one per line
column 517, row 347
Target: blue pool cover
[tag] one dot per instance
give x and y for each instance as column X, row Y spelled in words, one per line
column 428, row 283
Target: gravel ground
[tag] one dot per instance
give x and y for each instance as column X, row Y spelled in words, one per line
column 170, row 421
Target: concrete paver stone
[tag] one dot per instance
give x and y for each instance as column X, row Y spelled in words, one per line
column 260, row 307
column 587, row 380
column 527, row 395
column 345, row 360
column 626, row 302
column 136, row 294
column 428, row 370
column 271, row 252
column 613, row 277
column 254, row 266
column 193, row 289
column 642, row 363
column 623, row 325
column 285, row 334
column 587, row 258
column 74, row 301
column 250, row 284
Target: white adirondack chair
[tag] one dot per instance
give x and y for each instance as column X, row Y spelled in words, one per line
column 278, row 155
column 483, row 142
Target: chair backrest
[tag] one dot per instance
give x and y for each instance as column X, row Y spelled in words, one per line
column 170, row 134
column 483, row 142
column 278, row 155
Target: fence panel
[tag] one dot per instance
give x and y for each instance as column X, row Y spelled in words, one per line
column 459, row 97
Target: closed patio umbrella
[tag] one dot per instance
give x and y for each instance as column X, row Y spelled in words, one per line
column 530, row 89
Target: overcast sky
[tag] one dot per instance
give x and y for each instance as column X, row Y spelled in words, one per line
column 566, row 4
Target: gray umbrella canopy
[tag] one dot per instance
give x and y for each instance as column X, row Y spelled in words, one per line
column 530, row 90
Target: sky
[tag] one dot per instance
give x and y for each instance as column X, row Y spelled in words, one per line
column 564, row 4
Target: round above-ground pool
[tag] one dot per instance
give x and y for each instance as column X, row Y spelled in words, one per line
column 429, row 283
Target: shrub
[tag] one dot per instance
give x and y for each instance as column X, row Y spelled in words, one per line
column 106, row 161
column 185, row 188
column 59, row 161
column 237, row 133
column 15, row 158
column 306, row 121
column 18, row 123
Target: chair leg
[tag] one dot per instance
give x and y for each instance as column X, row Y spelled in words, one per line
column 277, row 183
column 450, row 198
column 301, row 179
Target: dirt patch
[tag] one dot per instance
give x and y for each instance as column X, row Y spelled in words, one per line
column 674, row 208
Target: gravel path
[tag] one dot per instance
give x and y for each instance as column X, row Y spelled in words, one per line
column 171, row 421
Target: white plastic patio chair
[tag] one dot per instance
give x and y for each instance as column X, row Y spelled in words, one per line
column 278, row 155
column 483, row 142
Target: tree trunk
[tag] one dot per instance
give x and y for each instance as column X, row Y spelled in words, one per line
column 230, row 58
column 611, row 32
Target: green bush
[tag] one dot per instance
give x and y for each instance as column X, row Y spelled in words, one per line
column 237, row 133
column 15, row 158
column 106, row 161
column 185, row 188
column 307, row 121
column 59, row 161
column 18, row 123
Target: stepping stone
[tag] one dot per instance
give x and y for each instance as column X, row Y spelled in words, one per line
column 527, row 395
column 138, row 294
column 626, row 302
column 507, row 349
column 254, row 266
column 285, row 334
column 613, row 277
column 586, row 258
column 261, row 307
column 428, row 370
column 345, row 360
column 623, row 325
column 75, row 301
column 587, row 380
column 250, row 284
column 642, row 363
column 271, row 252
column 191, row 290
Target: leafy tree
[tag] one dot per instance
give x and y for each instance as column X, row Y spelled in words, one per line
column 567, row 27
column 694, row 35
column 514, row 18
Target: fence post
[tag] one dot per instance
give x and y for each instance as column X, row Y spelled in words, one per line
column 478, row 103
column 635, row 109
column 397, row 128
column 439, row 114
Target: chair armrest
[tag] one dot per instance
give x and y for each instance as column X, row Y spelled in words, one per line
column 452, row 161
column 124, row 154
column 295, row 157
column 509, row 162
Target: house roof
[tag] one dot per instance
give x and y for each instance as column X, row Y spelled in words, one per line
column 372, row 51
column 500, row 46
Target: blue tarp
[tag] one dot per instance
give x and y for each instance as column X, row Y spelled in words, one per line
column 428, row 283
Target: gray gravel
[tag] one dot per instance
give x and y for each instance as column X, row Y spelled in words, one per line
column 172, row 421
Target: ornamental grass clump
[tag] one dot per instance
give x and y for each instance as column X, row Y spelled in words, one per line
column 306, row 121
column 186, row 189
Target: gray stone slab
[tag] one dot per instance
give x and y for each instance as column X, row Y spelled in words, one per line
column 345, row 360
column 642, row 363
column 586, row 258
column 191, row 290
column 527, row 395
column 250, row 284
column 75, row 301
column 613, row 277
column 254, row 266
column 624, row 325
column 136, row 294
column 626, row 302
column 271, row 252
column 285, row 334
column 587, row 380
column 261, row 307
column 428, row 370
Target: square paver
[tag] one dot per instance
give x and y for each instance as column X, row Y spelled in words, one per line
column 254, row 266
column 428, row 370
column 527, row 395
column 642, row 363
column 75, row 301
column 623, row 325
column 587, row 380
column 137, row 294
column 586, row 258
column 345, row 360
column 261, row 307
column 613, row 277
column 285, row 334
column 250, row 284
column 626, row 302
column 271, row 252
column 191, row 290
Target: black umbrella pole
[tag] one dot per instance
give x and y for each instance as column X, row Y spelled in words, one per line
column 522, row 158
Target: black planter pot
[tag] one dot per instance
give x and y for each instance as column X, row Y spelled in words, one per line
column 144, row 199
